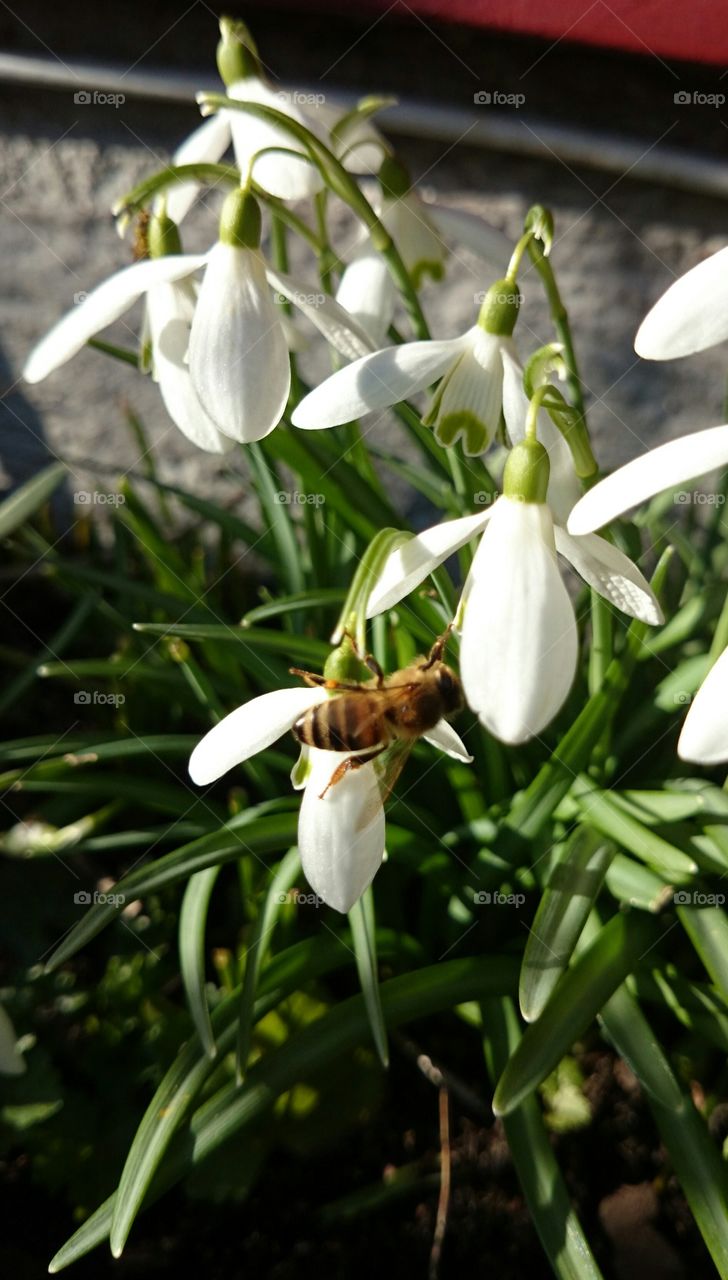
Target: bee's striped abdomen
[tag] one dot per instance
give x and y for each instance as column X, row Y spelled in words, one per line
column 346, row 723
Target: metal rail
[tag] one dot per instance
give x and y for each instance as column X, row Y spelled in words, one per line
column 513, row 132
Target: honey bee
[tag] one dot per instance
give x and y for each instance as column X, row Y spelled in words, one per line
column 140, row 246
column 368, row 718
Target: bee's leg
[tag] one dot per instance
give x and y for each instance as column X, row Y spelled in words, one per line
column 308, row 677
column 368, row 659
column 438, row 647
column 351, row 762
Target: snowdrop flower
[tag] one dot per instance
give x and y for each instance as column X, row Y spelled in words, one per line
column 420, row 232
column 341, row 833
column 519, row 644
column 690, row 316
column 286, row 173
column 238, row 353
column 704, row 737
column 468, row 402
column 165, row 282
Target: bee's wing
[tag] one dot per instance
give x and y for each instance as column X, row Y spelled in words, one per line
column 390, row 764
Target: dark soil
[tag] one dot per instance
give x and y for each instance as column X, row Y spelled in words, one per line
column 618, row 1174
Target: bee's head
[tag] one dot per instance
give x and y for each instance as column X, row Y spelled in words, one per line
column 449, row 688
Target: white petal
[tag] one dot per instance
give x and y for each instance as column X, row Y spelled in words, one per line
column 375, row 382
column 444, row 737
column 206, row 144
column 284, row 176
column 704, row 737
column 170, row 308
column 411, row 563
column 420, row 244
column 671, row 464
column 690, row 316
column 519, row 640
column 344, row 333
column 102, row 306
column 611, row 573
column 361, row 147
column 249, row 729
column 238, row 353
column 564, row 487
column 340, row 837
column 368, row 292
column 460, row 227
column 467, row 405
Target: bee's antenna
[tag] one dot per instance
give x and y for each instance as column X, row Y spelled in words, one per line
column 438, row 647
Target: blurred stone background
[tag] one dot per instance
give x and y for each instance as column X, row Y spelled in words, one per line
column 620, row 240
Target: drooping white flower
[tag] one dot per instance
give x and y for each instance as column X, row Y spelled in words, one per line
column 704, row 737
column 691, row 315
column 238, row 353
column 421, row 231
column 275, row 159
column 519, row 646
column 341, row 828
column 466, row 405
column 166, row 283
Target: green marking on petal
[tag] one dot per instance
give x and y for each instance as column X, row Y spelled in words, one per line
column 432, row 267
column 463, row 424
column 300, row 771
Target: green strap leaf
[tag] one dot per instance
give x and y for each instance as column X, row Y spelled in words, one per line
column 192, row 922
column 573, row 885
column 26, row 500
column 574, row 1005
column 363, row 932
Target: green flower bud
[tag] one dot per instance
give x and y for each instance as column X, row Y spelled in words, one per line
column 240, row 221
column 237, row 55
column 343, row 664
column 394, row 178
column 526, row 474
column 499, row 311
column 162, row 236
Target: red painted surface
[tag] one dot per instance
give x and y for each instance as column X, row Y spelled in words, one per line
column 694, row 30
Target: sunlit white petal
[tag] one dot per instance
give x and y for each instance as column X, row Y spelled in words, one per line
column 671, row 464
column 420, row 244
column 103, row 305
column 444, row 737
column 367, row 291
column 704, row 737
column 238, row 355
column 411, row 563
column 340, row 837
column 283, row 175
column 375, row 382
column 206, row 144
column 467, row 404
column 340, row 329
column 249, row 729
column 611, row 573
column 690, row 316
column 170, row 308
column 519, row 640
